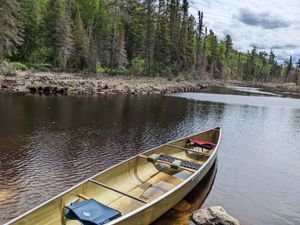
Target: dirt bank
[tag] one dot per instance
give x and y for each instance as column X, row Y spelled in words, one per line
column 90, row 84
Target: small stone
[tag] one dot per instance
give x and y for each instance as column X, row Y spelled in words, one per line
column 214, row 215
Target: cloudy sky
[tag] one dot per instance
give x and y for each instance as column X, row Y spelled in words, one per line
column 265, row 24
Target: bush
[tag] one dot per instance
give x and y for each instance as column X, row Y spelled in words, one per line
column 137, row 66
column 42, row 67
column 117, row 71
column 179, row 78
column 99, row 68
column 18, row 66
column 7, row 70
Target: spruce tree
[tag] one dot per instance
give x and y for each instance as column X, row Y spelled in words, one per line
column 135, row 30
column 10, row 28
column 199, row 52
column 162, row 40
column 31, row 20
column 149, row 8
column 58, row 33
column 175, row 28
column 80, row 53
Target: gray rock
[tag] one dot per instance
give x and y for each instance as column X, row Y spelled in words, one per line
column 214, row 215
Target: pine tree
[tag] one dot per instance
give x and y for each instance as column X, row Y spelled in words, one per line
column 288, row 69
column 228, row 45
column 190, row 45
column 10, row 28
column 80, row 53
column 31, row 20
column 58, row 33
column 149, row 7
column 174, row 27
column 199, row 52
column 162, row 40
column 182, row 43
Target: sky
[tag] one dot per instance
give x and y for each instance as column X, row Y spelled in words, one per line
column 266, row 24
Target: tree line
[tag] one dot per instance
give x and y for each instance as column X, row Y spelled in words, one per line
column 139, row 37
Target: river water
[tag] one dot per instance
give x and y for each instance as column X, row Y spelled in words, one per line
column 48, row 144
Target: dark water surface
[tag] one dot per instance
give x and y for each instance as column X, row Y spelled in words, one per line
column 48, row 144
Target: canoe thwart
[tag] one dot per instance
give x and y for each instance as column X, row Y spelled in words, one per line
column 115, row 190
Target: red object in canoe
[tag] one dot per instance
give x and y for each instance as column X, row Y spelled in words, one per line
column 202, row 144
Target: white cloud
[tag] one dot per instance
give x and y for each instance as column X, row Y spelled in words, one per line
column 266, row 24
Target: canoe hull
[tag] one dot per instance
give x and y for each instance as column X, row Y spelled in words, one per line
column 130, row 177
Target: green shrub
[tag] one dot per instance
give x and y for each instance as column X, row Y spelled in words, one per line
column 99, row 68
column 18, row 66
column 117, row 71
column 42, row 67
column 6, row 69
column 137, row 66
column 179, row 78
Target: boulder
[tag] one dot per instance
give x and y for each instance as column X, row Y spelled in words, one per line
column 214, row 215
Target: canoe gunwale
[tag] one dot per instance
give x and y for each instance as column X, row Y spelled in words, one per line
column 149, row 204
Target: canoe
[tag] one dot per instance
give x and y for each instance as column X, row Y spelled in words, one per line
column 136, row 191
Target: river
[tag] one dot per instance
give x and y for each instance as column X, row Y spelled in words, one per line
column 48, row 144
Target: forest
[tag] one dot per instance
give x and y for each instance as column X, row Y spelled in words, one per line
column 127, row 37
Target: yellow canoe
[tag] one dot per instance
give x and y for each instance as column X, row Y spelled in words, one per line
column 141, row 188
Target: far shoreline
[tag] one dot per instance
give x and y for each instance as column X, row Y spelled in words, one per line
column 80, row 84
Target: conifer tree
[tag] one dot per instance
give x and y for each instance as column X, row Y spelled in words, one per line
column 10, row 28
column 31, row 20
column 57, row 33
column 135, row 30
column 149, row 8
column 174, row 27
column 80, row 53
column 162, row 40
column 199, row 52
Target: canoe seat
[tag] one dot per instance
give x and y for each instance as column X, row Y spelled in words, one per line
column 184, row 163
column 91, row 212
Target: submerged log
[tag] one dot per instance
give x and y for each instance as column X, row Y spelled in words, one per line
column 214, row 215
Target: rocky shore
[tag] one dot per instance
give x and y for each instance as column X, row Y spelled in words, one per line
column 54, row 83
column 47, row 83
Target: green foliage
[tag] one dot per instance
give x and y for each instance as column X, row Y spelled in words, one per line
column 117, row 71
column 178, row 78
column 6, row 69
column 42, row 67
column 80, row 53
column 18, row 66
column 137, row 66
column 150, row 37
column 10, row 28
